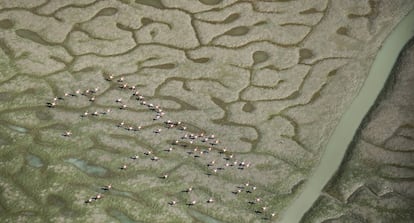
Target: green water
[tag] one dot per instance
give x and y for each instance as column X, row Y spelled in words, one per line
column 85, row 167
column 121, row 217
column 34, row 161
column 351, row 120
column 17, row 128
column 202, row 217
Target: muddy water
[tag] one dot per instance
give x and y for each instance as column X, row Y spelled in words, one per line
column 351, row 120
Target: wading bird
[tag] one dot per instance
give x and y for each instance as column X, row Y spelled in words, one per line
column 193, row 202
column 107, row 187
column 110, row 78
column 188, row 190
column 173, row 202
column 51, row 104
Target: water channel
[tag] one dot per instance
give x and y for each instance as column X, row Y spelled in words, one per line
column 351, row 120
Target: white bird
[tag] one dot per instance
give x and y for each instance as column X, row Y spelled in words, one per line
column 123, row 86
column 51, row 104
column 106, row 112
column 189, row 189
column 215, row 142
column 110, row 77
column 173, row 202
column 193, row 202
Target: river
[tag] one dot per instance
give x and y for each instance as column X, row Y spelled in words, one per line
column 351, row 120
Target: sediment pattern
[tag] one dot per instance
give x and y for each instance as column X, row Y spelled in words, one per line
column 269, row 79
column 376, row 181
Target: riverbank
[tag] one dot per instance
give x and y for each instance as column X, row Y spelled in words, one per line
column 352, row 119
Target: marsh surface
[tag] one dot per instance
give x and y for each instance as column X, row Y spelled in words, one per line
column 269, row 79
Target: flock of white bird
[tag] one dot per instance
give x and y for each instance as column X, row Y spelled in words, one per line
column 209, row 143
